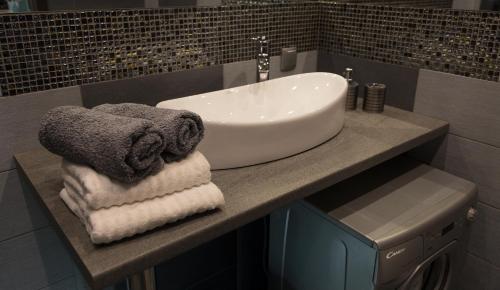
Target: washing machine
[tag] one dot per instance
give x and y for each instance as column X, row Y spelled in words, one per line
column 399, row 226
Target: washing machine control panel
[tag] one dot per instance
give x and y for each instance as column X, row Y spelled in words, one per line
column 399, row 259
column 435, row 240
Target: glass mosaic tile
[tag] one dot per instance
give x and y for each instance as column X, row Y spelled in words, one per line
column 41, row 51
column 454, row 41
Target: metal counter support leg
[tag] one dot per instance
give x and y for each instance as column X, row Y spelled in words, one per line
column 143, row 281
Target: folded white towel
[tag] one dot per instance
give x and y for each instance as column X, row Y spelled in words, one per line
column 100, row 191
column 110, row 224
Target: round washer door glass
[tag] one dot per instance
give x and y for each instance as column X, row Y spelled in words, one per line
column 435, row 276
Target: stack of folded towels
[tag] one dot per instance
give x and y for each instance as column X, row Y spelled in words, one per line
column 129, row 168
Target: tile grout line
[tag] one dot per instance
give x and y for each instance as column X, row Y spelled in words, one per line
column 26, row 233
column 483, row 260
column 55, row 282
column 474, row 140
column 8, row 170
column 488, row 205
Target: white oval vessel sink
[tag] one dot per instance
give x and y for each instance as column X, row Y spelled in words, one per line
column 269, row 120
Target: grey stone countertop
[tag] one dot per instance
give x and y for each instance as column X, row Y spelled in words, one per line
column 250, row 192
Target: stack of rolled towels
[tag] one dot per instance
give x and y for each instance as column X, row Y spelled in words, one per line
column 128, row 168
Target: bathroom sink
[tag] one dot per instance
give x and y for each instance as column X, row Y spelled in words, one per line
column 269, row 120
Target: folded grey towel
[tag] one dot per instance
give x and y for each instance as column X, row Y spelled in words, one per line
column 126, row 149
column 183, row 130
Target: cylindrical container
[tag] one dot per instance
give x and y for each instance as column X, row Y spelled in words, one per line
column 352, row 96
column 374, row 98
column 352, row 91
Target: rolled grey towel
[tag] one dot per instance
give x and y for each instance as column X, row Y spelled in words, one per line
column 126, row 149
column 183, row 130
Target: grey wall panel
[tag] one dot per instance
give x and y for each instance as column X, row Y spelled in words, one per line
column 209, row 2
column 468, row 159
column 306, row 62
column 476, row 162
column 478, row 274
column 19, row 211
column 239, row 73
column 489, row 195
column 485, row 235
column 153, row 89
column 245, row 72
column 33, row 261
column 176, row 3
column 20, row 118
column 151, row 3
column 472, row 106
column 401, row 81
column 80, row 282
column 65, row 284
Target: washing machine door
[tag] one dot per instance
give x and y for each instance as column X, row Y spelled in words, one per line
column 434, row 273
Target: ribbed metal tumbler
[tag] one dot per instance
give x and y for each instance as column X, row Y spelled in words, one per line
column 374, row 98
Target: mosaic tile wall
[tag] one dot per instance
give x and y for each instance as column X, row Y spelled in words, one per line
column 410, row 3
column 460, row 42
column 49, row 50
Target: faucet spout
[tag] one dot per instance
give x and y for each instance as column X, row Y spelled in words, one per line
column 262, row 59
column 263, row 76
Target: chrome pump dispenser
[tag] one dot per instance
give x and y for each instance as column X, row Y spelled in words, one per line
column 352, row 90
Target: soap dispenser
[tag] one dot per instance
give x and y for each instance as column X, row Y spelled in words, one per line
column 352, row 90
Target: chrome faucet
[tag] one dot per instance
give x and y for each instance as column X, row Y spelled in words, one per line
column 263, row 61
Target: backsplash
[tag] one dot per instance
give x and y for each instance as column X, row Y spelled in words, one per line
column 41, row 51
column 460, row 42
column 411, row 3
